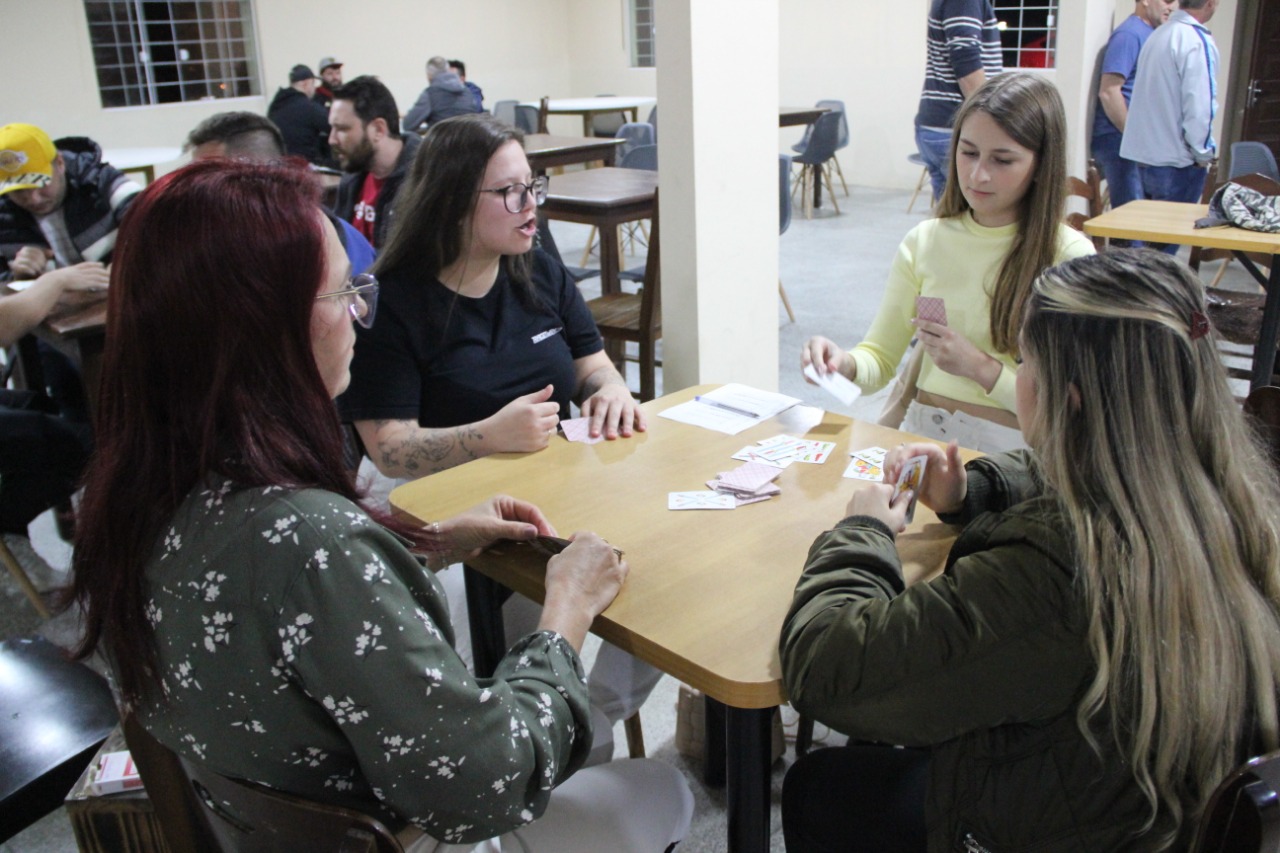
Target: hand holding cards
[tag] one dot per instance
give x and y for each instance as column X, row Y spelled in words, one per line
column 931, row 309
column 909, row 480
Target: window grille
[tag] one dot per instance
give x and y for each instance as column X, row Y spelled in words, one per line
column 642, row 34
column 1029, row 32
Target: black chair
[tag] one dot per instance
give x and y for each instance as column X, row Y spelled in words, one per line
column 1243, row 815
column 201, row 811
column 820, row 148
column 526, row 118
column 842, row 139
column 784, row 218
column 607, row 124
column 54, row 714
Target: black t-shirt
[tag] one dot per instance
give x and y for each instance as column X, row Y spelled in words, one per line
column 448, row 360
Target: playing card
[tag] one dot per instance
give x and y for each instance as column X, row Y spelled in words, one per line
column 700, row 500
column 909, row 479
column 751, row 454
column 834, row 384
column 874, row 455
column 815, row 452
column 862, row 469
column 931, row 308
column 579, row 429
column 766, row 491
column 748, row 478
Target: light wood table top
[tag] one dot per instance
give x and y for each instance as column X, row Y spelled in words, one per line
column 546, row 151
column 708, row 590
column 1174, row 222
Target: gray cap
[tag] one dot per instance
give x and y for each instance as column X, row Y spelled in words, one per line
column 328, row 62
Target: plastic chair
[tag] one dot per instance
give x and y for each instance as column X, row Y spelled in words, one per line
column 653, row 120
column 607, row 124
column 914, row 157
column 820, row 148
column 1243, row 815
column 526, row 118
column 1249, row 158
column 204, row 812
column 634, row 134
column 637, row 317
column 54, row 714
column 505, row 111
column 784, row 218
column 842, row 140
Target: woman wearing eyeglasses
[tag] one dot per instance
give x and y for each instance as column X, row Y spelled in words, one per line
column 259, row 620
column 482, row 341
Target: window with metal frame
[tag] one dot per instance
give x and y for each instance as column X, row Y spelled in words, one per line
column 168, row 51
column 642, row 34
column 1028, row 32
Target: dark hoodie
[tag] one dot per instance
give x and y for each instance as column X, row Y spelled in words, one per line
column 446, row 97
column 304, row 123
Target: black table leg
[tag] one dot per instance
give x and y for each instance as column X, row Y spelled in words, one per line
column 714, row 740
column 748, row 745
column 1264, row 353
column 485, row 598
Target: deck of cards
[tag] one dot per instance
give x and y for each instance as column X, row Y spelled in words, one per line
column 866, row 464
column 931, row 309
column 909, row 480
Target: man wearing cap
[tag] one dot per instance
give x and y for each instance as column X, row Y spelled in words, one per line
column 304, row 123
column 330, row 79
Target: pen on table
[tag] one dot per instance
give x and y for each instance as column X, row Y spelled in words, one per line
column 736, row 411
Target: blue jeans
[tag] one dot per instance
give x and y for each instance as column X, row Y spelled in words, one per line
column 1172, row 183
column 935, row 149
column 1124, row 183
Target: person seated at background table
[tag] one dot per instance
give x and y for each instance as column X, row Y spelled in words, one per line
column 457, row 66
column 261, row 622
column 446, row 96
column 1104, row 645
column 482, row 343
column 60, row 206
column 999, row 224
column 249, row 136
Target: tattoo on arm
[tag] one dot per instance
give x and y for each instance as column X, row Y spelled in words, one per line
column 426, row 451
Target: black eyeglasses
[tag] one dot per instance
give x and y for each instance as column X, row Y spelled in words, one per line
column 515, row 195
column 361, row 295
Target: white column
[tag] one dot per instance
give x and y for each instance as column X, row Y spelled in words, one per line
column 717, row 151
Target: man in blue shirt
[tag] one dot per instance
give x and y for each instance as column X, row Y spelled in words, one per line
column 1169, row 129
column 1119, row 68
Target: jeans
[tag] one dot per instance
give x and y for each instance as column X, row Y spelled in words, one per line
column 1172, row 183
column 1123, row 180
column 935, row 149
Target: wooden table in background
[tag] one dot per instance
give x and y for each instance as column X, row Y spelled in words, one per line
column 708, row 590
column 1174, row 222
column 589, row 108
column 605, row 198
column 81, row 334
column 546, row 151
column 795, row 116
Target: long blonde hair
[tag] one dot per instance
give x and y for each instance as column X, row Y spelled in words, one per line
column 1173, row 505
column 1028, row 108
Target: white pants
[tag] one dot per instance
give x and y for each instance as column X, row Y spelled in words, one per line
column 632, row 806
column 618, row 683
column 971, row 431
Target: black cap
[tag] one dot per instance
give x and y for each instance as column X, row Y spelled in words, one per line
column 300, row 73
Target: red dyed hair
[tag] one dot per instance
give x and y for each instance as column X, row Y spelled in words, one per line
column 208, row 369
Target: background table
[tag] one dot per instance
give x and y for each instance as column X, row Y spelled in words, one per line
column 1174, row 222
column 546, row 151
column 605, row 198
column 142, row 160
column 708, row 590
column 793, row 116
column 589, row 108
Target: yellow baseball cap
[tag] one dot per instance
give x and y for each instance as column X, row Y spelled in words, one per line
column 26, row 158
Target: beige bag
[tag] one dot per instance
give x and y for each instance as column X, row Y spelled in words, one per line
column 904, row 388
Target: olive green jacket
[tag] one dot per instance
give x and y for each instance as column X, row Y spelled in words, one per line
column 985, row 665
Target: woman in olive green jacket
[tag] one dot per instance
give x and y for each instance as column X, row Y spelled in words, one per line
column 1104, row 644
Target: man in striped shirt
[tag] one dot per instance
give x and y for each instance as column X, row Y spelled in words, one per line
column 1169, row 129
column 963, row 52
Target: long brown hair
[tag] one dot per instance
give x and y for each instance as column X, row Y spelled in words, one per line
column 1028, row 108
column 208, row 369
column 1172, row 503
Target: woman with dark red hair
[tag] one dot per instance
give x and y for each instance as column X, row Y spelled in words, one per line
column 259, row 621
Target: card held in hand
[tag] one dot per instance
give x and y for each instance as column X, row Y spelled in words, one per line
column 909, row 479
column 932, row 309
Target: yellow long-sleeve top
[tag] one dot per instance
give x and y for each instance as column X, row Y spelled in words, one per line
column 957, row 260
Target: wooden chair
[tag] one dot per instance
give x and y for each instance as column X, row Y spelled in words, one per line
column 637, row 317
column 1243, row 815
column 544, row 106
column 204, row 812
column 1089, row 189
column 24, row 580
column 54, row 714
column 1262, row 184
column 915, row 158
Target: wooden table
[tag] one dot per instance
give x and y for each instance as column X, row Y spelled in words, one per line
column 708, row 590
column 605, row 198
column 1174, row 222
column 80, row 333
column 794, row 116
column 589, row 108
column 546, row 151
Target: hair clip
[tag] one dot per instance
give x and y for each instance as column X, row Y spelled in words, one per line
column 1199, row 325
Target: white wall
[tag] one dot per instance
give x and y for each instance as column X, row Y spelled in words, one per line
column 870, row 55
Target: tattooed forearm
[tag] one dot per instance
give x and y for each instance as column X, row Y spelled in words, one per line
column 414, row 451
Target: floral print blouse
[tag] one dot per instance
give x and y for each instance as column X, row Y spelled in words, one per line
column 304, row 648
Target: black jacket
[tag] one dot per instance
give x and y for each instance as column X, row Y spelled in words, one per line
column 349, row 191
column 304, row 123
column 97, row 197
